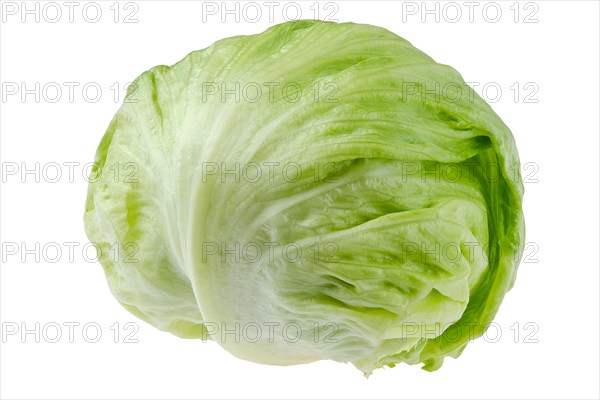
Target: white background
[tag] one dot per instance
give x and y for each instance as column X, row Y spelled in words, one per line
column 548, row 324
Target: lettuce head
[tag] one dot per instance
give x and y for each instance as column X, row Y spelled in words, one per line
column 316, row 191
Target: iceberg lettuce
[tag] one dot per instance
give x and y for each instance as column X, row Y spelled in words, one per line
column 316, row 191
